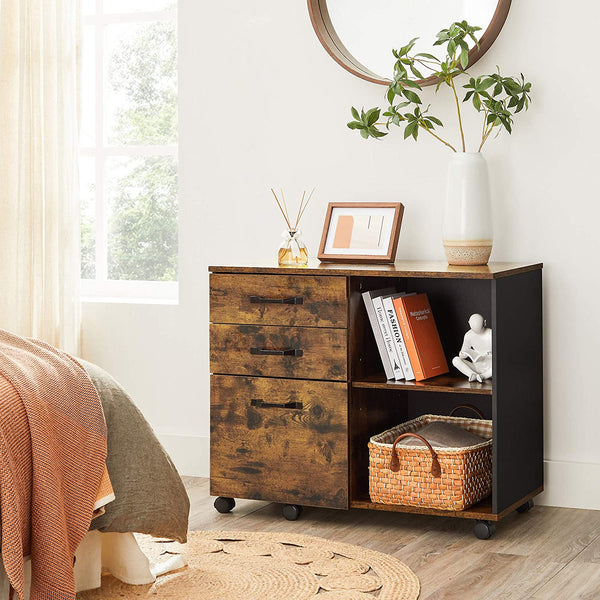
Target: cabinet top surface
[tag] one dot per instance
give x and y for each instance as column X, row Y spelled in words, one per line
column 401, row 268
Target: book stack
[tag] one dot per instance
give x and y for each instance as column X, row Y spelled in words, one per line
column 406, row 335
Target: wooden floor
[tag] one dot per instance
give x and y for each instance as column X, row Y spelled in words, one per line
column 546, row 554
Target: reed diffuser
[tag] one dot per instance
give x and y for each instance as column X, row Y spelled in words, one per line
column 292, row 252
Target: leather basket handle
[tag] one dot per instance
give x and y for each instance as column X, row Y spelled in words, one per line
column 470, row 407
column 436, row 469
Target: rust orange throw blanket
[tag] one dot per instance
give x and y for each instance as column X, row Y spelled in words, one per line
column 52, row 459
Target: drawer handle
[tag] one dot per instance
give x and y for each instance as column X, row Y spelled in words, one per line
column 263, row 300
column 284, row 352
column 262, row 404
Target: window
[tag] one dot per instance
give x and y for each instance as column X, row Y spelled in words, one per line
column 128, row 156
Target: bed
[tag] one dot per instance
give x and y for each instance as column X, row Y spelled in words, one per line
column 149, row 496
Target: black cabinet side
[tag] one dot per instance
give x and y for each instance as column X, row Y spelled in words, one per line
column 517, row 408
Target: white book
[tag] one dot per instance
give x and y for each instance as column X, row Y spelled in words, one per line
column 368, row 300
column 400, row 346
column 388, row 340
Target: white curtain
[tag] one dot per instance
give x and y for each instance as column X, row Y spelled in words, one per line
column 39, row 212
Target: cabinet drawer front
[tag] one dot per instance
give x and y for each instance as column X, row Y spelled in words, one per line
column 278, row 300
column 303, row 352
column 279, row 440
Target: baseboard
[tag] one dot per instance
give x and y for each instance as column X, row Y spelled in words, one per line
column 571, row 484
column 190, row 453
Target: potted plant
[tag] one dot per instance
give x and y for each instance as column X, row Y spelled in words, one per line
column 467, row 229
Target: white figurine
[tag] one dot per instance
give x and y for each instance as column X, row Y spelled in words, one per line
column 475, row 357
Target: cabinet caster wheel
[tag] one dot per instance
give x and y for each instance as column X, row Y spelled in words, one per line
column 292, row 512
column 525, row 507
column 224, row 505
column 484, row 530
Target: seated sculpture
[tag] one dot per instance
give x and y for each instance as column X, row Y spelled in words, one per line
column 475, row 357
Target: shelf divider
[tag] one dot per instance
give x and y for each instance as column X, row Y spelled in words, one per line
column 452, row 384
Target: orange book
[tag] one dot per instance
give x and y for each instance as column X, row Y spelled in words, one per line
column 421, row 336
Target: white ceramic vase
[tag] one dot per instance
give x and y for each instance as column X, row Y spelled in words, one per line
column 467, row 219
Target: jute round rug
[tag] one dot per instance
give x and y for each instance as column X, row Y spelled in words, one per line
column 237, row 565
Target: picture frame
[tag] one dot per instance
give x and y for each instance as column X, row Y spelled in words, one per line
column 361, row 232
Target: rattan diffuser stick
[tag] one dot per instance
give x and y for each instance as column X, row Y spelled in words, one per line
column 301, row 212
column 284, row 213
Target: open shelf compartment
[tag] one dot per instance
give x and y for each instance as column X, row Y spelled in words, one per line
column 452, row 301
column 512, row 400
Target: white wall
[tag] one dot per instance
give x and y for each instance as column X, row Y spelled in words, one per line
column 263, row 105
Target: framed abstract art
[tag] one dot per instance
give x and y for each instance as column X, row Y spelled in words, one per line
column 361, row 232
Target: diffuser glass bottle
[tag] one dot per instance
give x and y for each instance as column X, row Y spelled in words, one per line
column 292, row 251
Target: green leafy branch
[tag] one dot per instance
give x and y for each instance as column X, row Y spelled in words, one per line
column 508, row 97
column 498, row 97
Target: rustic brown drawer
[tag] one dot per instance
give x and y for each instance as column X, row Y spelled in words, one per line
column 278, row 300
column 279, row 440
column 295, row 352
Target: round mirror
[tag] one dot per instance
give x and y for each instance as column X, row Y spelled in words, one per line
column 360, row 34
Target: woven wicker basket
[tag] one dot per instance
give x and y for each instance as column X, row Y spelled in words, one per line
column 442, row 478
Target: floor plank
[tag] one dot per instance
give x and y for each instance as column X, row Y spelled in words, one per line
column 592, row 553
column 545, row 554
column 556, row 534
column 483, row 573
column 578, row 581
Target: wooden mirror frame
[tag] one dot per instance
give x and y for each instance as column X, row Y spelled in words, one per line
column 321, row 21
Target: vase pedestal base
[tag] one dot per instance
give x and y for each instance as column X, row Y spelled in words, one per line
column 470, row 253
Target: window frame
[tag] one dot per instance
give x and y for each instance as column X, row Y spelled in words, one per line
column 102, row 288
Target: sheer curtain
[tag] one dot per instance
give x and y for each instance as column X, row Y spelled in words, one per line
column 39, row 212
